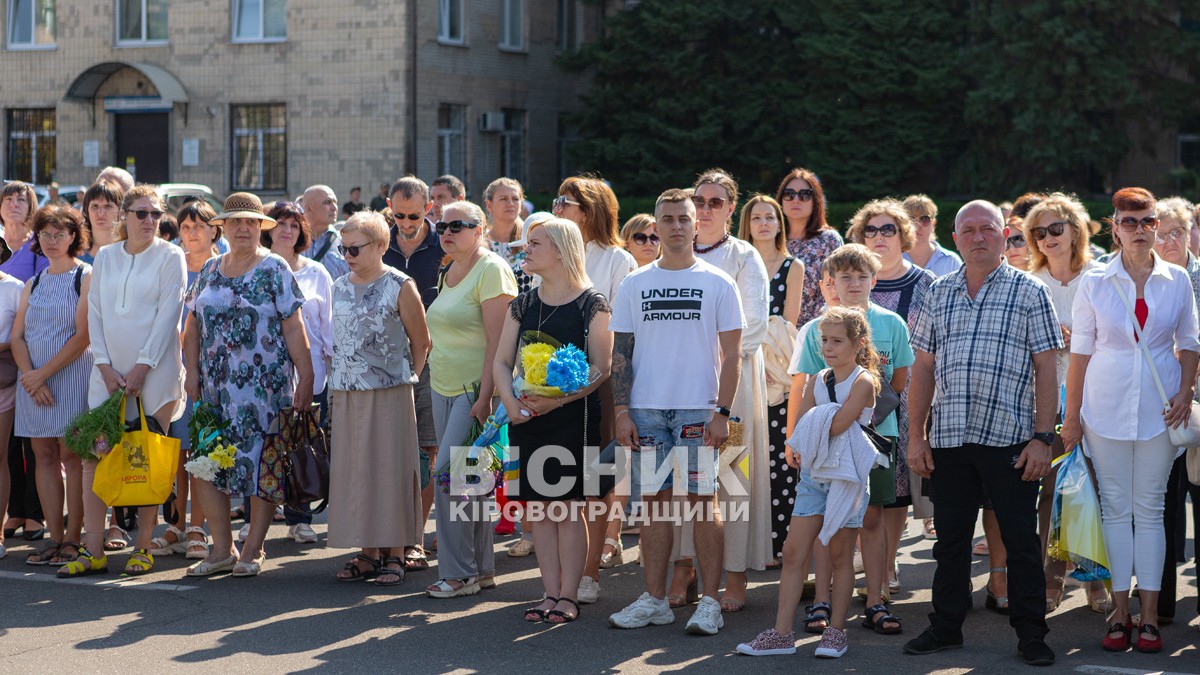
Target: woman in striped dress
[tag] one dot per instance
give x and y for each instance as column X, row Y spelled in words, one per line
column 53, row 352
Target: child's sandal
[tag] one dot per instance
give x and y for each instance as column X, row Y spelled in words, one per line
column 140, row 562
column 876, row 624
column 817, row 618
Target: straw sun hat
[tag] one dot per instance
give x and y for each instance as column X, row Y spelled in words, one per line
column 244, row 205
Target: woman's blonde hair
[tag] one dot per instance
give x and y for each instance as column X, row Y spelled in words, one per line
column 883, row 207
column 746, row 233
column 565, row 237
column 369, row 223
column 490, row 191
column 1068, row 208
column 857, row 328
column 638, row 223
column 136, row 193
column 921, row 205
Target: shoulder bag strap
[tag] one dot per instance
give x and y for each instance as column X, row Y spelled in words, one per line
column 78, row 279
column 37, row 279
column 1137, row 330
column 829, row 386
column 324, row 249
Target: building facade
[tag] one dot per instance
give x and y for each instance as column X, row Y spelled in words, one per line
column 274, row 95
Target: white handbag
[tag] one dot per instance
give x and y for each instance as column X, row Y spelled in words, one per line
column 1181, row 436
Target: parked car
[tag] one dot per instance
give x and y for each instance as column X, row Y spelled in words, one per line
column 175, row 195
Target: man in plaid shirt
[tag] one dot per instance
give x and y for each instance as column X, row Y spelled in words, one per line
column 985, row 349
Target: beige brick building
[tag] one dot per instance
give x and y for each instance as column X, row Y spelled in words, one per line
column 275, row 95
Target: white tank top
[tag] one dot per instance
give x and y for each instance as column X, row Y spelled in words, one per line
column 841, row 390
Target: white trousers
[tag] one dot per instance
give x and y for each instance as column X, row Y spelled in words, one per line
column 1132, row 476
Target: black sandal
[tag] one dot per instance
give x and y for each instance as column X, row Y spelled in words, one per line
column 817, row 618
column 539, row 615
column 384, row 571
column 356, row 572
column 559, row 614
column 43, row 556
column 869, row 621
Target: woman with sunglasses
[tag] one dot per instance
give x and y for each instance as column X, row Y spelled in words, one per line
column 641, row 240
column 926, row 252
column 465, row 323
column 1136, row 303
column 809, row 238
column 1016, row 247
column 134, row 304
column 884, row 226
column 762, row 225
column 1060, row 256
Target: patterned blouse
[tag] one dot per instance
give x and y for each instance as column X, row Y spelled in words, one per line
column 370, row 345
column 812, row 252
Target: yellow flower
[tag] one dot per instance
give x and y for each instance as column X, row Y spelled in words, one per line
column 224, row 456
column 534, row 358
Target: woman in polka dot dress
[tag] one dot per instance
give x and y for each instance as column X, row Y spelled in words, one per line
column 762, row 225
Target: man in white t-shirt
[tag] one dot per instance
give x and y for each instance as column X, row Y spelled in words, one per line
column 677, row 327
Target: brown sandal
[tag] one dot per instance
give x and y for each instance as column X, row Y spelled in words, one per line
column 43, row 556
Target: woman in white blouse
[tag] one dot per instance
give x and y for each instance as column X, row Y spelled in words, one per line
column 1113, row 404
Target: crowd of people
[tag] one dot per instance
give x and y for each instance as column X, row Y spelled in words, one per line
column 792, row 393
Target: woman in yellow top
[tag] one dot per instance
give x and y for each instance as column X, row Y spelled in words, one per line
column 465, row 323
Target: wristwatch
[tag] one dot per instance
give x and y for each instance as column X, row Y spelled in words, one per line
column 1046, row 437
column 722, row 410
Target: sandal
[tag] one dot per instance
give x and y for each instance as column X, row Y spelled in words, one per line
column 876, row 624
column 237, row 513
column 196, row 549
column 140, row 562
column 930, row 532
column 62, row 558
column 249, row 569
column 163, row 546
column 996, row 603
column 1054, row 595
column 692, row 593
column 118, row 541
column 443, row 589
column 817, row 618
column 614, row 557
column 561, row 616
column 414, row 559
column 207, row 569
column 43, row 557
column 355, row 573
column 385, row 572
column 537, row 614
column 86, row 564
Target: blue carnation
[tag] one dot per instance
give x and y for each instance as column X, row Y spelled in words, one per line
column 568, row 369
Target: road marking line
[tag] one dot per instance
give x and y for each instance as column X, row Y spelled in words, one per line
column 1110, row 670
column 126, row 582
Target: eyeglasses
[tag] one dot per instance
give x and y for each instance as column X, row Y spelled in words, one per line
column 713, row 203
column 352, row 251
column 1053, row 229
column 803, row 194
column 1016, row 241
column 561, row 201
column 886, row 229
column 455, row 226
column 641, row 238
column 924, row 220
column 54, row 236
column 1175, row 234
column 1130, row 224
column 400, row 217
column 142, row 215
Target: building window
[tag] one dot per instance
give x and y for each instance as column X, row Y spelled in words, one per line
column 31, row 24
column 141, row 22
column 259, row 147
column 450, row 22
column 512, row 24
column 567, row 135
column 452, row 140
column 259, row 20
column 31, row 145
column 568, row 24
column 512, row 145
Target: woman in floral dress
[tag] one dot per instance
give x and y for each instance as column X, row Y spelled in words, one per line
column 809, row 238
column 243, row 340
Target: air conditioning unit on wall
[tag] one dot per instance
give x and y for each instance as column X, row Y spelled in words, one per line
column 491, row 122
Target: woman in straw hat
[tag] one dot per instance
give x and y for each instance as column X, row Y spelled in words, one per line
column 243, row 341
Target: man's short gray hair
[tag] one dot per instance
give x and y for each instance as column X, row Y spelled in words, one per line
column 992, row 209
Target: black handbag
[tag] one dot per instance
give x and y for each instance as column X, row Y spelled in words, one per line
column 886, row 402
column 306, row 465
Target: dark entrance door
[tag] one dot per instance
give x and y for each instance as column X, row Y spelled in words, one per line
column 142, row 146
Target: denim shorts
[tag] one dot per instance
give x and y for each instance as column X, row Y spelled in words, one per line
column 811, row 496
column 660, row 432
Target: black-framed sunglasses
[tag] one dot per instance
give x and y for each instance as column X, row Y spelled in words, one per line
column 803, row 194
column 1130, row 224
column 352, row 251
column 1015, row 241
column 455, row 226
column 1053, row 230
column 141, row 215
column 886, row 229
column 713, row 203
column 641, row 239
column 561, row 201
column 399, row 217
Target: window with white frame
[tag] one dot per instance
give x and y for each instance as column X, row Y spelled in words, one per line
column 452, row 140
column 568, row 24
column 512, row 24
column 259, row 20
column 32, row 145
column 259, row 147
column 512, row 145
column 141, row 22
column 450, row 22
column 31, row 24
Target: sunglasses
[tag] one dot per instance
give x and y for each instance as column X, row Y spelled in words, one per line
column 455, row 226
column 284, row 203
column 803, row 194
column 352, row 251
column 142, row 215
column 924, row 220
column 561, row 201
column 713, row 203
column 1053, row 230
column 1130, row 224
column 641, row 238
column 887, row 230
column 402, row 216
column 1016, row 241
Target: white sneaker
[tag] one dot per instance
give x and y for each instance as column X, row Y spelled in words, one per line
column 644, row 611
column 302, row 533
column 707, row 619
column 589, row 591
column 243, row 533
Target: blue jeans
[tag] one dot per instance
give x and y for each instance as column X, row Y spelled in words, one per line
column 661, row 433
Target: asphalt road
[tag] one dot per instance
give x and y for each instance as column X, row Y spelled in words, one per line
column 296, row 618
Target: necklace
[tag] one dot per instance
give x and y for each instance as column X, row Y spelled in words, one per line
column 714, row 247
column 542, row 304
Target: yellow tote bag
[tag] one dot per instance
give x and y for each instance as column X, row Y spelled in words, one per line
column 140, row 471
